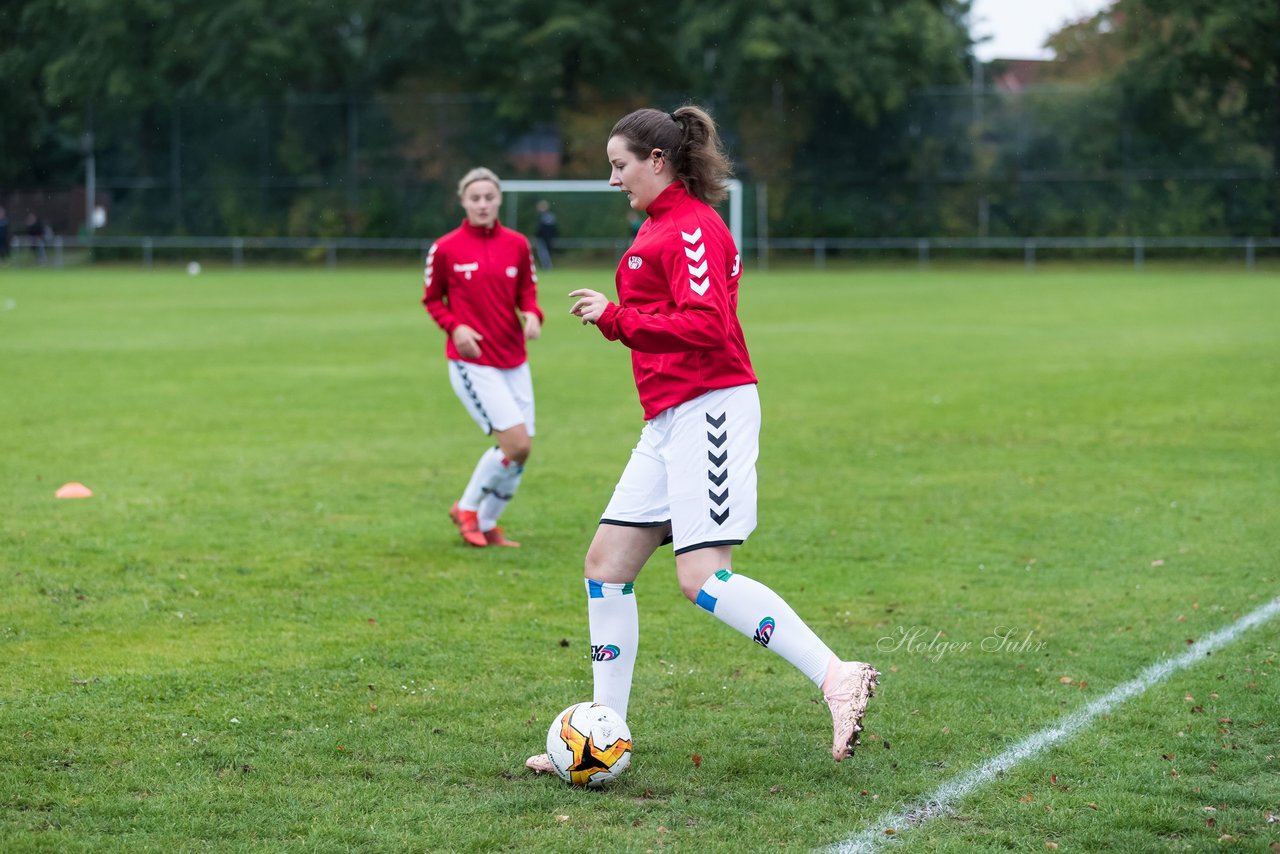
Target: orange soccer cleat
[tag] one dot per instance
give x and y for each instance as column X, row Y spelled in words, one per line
column 495, row 537
column 468, row 526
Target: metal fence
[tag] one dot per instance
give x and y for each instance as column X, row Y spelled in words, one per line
column 62, row 251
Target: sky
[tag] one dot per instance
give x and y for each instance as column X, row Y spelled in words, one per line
column 1019, row 27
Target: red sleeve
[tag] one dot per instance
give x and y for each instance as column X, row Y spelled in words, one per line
column 435, row 288
column 527, row 286
column 697, row 276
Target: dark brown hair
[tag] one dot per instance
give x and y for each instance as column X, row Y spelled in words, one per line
column 688, row 140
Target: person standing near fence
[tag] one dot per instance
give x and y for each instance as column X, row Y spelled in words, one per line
column 691, row 479
column 546, row 233
column 38, row 234
column 4, row 236
column 480, row 287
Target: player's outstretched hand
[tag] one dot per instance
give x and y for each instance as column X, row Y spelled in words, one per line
column 590, row 305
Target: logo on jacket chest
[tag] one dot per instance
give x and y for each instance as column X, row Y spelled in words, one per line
column 634, row 262
column 474, row 267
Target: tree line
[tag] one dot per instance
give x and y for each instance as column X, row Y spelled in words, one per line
column 861, row 117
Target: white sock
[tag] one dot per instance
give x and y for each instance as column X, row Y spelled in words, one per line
column 763, row 616
column 488, row 469
column 498, row 494
column 614, row 622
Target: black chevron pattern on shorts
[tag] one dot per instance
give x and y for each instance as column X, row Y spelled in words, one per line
column 718, row 472
column 471, row 393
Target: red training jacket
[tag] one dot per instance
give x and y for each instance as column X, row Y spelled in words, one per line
column 480, row 277
column 678, row 312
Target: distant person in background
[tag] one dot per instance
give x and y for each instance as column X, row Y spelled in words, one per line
column 481, row 288
column 691, row 479
column 634, row 221
column 4, row 236
column 38, row 233
column 546, row 233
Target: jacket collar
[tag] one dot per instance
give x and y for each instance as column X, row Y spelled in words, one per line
column 477, row 231
column 673, row 195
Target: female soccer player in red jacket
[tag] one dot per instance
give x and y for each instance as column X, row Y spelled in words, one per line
column 481, row 287
column 691, row 480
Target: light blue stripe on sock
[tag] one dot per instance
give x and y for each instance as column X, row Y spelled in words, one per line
column 595, row 589
column 706, row 602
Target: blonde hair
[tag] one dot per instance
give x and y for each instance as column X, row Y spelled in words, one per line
column 480, row 173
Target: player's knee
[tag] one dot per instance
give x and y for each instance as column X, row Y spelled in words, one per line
column 594, row 565
column 690, row 590
column 517, row 450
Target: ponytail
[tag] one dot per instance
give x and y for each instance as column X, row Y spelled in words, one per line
column 689, row 141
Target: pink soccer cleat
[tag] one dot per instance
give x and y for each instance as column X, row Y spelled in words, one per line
column 540, row 764
column 847, row 688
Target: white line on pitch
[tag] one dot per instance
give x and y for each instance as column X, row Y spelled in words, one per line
column 941, row 800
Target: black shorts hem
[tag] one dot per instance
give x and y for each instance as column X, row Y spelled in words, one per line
column 713, row 544
column 666, row 542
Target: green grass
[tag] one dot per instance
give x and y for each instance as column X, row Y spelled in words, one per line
column 262, row 633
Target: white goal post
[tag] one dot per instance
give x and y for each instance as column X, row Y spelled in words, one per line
column 511, row 189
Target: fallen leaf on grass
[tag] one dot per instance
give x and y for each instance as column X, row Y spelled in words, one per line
column 562, row 818
column 1066, row 680
column 1210, row 822
column 697, row 760
column 1026, row 799
column 1051, row 846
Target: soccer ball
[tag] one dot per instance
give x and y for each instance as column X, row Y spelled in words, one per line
column 193, row 269
column 590, row 745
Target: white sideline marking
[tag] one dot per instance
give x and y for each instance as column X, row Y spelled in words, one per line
column 940, row 802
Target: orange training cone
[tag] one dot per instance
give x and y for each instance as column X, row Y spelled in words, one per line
column 73, row 490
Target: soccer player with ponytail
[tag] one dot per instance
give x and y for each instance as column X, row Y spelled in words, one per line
column 691, row 479
column 481, row 287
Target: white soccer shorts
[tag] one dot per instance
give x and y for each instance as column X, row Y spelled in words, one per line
column 497, row 398
column 695, row 467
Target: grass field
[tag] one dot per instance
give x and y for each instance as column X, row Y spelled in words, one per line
column 262, row 633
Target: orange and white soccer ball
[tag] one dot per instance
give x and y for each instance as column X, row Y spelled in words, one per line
column 589, row 744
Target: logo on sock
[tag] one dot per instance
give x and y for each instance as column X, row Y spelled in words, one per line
column 764, row 632
column 605, row 652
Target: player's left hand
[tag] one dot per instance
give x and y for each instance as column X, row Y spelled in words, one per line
column 590, row 305
column 532, row 325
